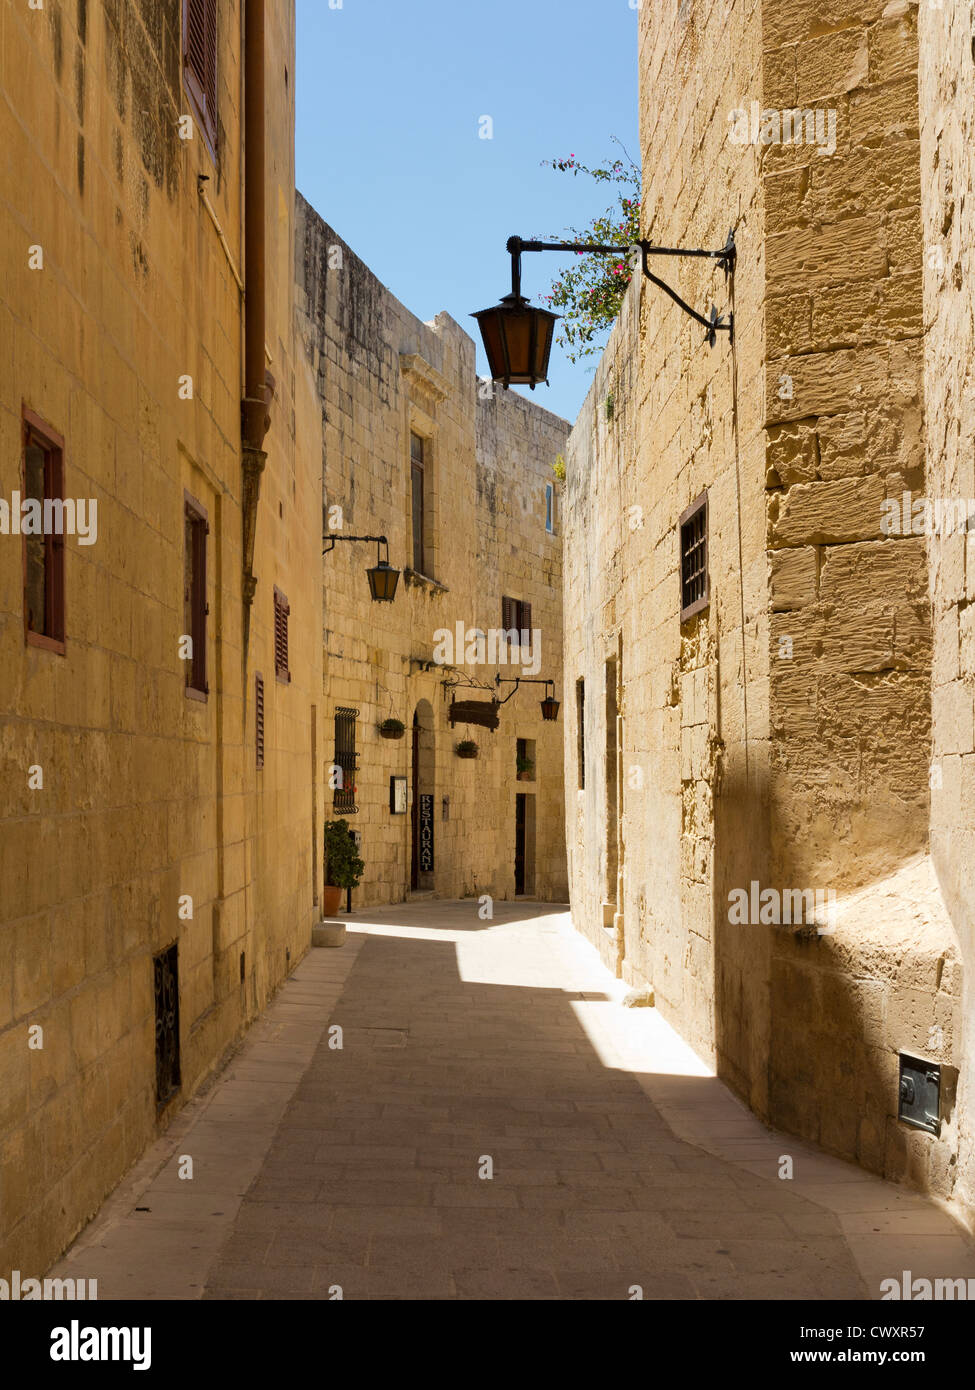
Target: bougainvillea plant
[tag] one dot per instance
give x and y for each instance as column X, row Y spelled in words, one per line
column 589, row 292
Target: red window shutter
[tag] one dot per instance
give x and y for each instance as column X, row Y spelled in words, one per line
column 259, row 717
column 281, row 613
column 211, row 61
column 200, row 57
column 508, row 616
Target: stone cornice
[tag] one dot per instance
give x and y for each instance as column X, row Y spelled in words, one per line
column 426, row 379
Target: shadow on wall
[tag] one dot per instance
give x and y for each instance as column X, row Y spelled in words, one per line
column 809, row 1023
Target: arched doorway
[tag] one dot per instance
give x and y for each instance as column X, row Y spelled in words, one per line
column 423, row 855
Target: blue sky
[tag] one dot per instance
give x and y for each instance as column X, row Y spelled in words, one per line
column 389, row 98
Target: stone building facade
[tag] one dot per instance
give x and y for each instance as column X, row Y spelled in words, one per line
column 141, row 844
column 806, row 728
column 458, row 476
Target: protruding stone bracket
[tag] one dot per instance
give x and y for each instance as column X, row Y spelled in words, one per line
column 424, row 378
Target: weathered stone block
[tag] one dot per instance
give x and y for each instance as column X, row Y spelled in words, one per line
column 793, row 580
column 826, row 512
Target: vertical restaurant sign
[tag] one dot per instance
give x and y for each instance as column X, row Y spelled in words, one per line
column 426, row 833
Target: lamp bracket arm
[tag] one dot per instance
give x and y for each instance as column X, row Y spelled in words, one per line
column 330, row 541
column 713, row 324
column 726, row 257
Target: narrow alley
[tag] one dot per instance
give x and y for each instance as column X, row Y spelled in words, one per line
column 485, row 1130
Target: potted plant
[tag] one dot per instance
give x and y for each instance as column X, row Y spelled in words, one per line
column 526, row 769
column 343, row 867
column 392, row 728
column 467, row 748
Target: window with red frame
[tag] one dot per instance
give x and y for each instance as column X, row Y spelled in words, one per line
column 43, row 554
column 195, row 607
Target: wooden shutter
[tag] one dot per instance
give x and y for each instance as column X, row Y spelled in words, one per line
column 200, row 58
column 281, row 615
column 259, row 717
column 525, row 625
column 43, row 556
column 509, row 617
column 196, row 530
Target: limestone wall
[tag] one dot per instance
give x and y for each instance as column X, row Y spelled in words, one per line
column 947, row 96
column 375, row 374
column 851, row 630
column 798, row 758
column 658, row 428
column 150, row 799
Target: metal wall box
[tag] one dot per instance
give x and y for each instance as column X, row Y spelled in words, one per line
column 919, row 1100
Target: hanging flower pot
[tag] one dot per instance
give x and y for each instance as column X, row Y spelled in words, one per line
column 467, row 748
column 392, row 728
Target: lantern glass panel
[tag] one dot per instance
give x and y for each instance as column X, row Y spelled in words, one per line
column 382, row 582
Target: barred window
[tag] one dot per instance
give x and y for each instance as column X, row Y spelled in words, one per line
column 165, row 969
column 346, row 760
column 694, row 579
column 281, row 614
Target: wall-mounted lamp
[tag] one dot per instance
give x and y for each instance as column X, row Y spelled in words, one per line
column 518, row 338
column 382, row 577
column 550, row 706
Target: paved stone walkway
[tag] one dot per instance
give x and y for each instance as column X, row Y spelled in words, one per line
column 467, row 1047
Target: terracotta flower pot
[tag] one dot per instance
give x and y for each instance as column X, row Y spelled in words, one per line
column 331, row 899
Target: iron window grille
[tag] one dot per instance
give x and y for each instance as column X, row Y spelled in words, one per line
column 695, row 585
column 43, row 480
column 282, row 612
column 200, row 62
column 259, row 719
column 347, row 759
column 195, row 607
column 166, row 989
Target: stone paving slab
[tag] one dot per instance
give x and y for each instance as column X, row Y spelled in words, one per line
column 617, row 1159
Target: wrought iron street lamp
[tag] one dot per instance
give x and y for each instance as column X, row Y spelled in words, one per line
column 382, row 577
column 518, row 338
column 550, row 706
